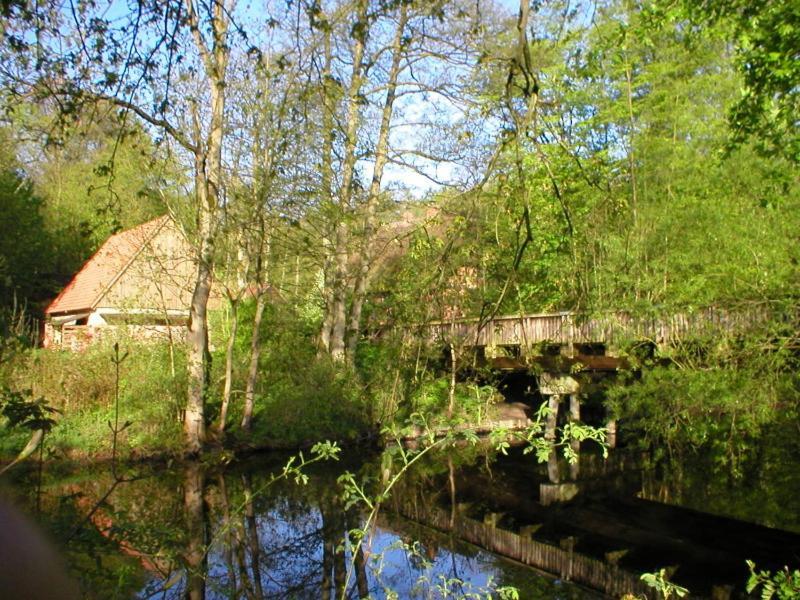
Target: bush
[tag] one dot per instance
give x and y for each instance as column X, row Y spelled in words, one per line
column 721, row 410
column 311, row 403
column 300, row 398
column 473, row 403
column 82, row 385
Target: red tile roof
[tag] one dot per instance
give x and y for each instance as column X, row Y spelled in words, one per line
column 104, row 268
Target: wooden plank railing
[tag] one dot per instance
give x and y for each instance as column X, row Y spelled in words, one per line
column 576, row 328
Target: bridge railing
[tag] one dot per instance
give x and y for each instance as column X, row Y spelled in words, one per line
column 576, row 328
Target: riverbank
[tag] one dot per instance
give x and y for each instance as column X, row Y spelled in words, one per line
column 510, row 418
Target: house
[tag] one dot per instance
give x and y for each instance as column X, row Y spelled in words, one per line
column 141, row 279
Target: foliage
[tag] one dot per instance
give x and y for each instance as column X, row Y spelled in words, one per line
column 722, row 411
column 100, row 177
column 441, row 587
column 569, row 435
column 398, row 459
column 766, row 36
column 659, row 582
column 783, row 584
column 81, row 386
column 300, row 398
column 17, row 334
column 474, row 403
column 26, row 255
column 594, row 173
column 20, row 409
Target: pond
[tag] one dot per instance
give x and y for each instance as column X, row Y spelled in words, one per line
column 462, row 521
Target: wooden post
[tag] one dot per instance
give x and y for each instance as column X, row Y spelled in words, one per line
column 491, row 519
column 721, row 592
column 568, row 545
column 527, row 531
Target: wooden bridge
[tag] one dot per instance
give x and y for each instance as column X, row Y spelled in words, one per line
column 571, row 328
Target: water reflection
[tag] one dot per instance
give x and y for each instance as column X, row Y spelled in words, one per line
column 455, row 521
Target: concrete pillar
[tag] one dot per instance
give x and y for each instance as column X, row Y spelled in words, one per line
column 575, row 446
column 552, row 419
column 611, row 435
column 552, row 467
column 574, row 407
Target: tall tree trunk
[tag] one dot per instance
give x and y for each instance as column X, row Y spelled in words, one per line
column 341, row 252
column 252, row 535
column 359, row 565
column 194, row 418
column 194, row 513
column 324, row 345
column 208, row 177
column 227, row 527
column 338, row 308
column 226, row 392
column 255, row 339
column 364, row 258
column 451, row 391
column 631, row 154
column 329, row 543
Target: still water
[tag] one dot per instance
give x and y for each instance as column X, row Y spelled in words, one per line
column 464, row 521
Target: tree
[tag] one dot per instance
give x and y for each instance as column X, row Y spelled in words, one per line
column 26, row 256
column 766, row 36
column 398, row 57
column 91, row 179
column 131, row 62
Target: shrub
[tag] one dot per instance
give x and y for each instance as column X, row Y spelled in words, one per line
column 722, row 410
column 81, row 385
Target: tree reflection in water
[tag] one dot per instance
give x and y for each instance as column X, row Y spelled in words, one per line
column 194, row 531
column 198, row 531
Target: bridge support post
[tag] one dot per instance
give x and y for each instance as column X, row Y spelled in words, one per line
column 611, row 436
column 574, row 407
column 568, row 545
column 553, row 473
column 575, row 445
column 552, row 417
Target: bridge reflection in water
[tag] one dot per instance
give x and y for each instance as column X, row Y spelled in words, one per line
column 591, row 526
column 602, row 575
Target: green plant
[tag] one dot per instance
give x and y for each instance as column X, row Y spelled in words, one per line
column 22, row 411
column 784, row 584
column 659, row 582
column 398, row 459
column 570, row 435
